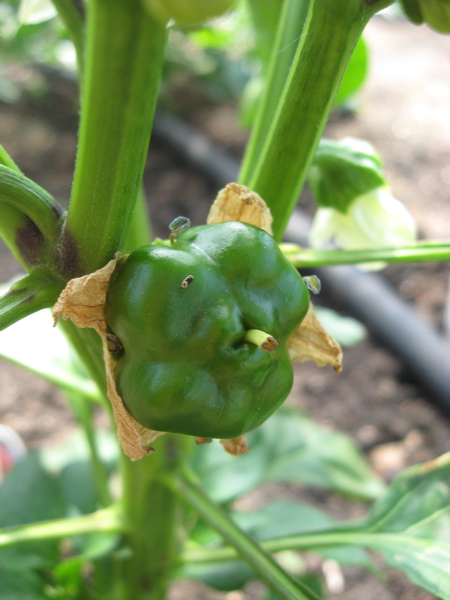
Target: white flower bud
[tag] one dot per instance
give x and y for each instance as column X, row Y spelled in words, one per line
column 36, row 11
column 373, row 220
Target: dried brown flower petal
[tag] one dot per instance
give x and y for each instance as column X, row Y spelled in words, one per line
column 236, row 446
column 237, row 203
column 202, row 440
column 310, row 341
column 83, row 301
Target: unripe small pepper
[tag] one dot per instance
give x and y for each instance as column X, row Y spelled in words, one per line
column 187, row 12
column 435, row 13
column 193, row 320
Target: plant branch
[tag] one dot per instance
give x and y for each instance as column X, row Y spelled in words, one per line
column 103, row 521
column 184, row 483
column 301, row 542
column 21, row 193
column 124, row 59
column 426, row 252
column 290, row 25
column 32, row 293
column 331, row 31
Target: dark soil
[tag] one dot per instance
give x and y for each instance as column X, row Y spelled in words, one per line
column 404, row 112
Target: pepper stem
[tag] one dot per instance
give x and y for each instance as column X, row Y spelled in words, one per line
column 261, row 339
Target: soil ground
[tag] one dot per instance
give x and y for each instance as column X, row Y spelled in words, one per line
column 404, row 111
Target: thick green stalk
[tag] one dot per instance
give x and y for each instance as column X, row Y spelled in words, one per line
column 271, row 573
column 140, row 231
column 123, row 65
column 426, row 252
column 331, row 31
column 290, row 25
column 151, row 511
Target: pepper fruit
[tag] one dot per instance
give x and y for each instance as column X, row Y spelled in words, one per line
column 191, row 319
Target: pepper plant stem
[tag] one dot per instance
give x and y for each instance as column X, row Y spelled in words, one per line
column 124, row 58
column 426, row 252
column 151, row 512
column 331, row 31
column 32, row 293
column 304, row 542
column 184, row 482
column 24, row 195
column 291, row 19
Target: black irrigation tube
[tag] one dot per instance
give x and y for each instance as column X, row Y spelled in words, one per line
column 425, row 353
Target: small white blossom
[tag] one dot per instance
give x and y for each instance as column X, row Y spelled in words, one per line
column 36, row 11
column 373, row 220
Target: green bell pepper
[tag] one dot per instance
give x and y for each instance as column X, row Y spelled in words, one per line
column 194, row 356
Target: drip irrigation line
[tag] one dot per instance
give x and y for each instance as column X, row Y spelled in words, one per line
column 368, row 297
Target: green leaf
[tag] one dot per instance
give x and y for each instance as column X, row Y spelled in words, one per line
column 288, row 517
column 289, row 447
column 223, row 576
column 425, row 563
column 276, row 519
column 355, row 74
column 28, row 494
column 35, row 344
column 69, row 572
column 342, row 171
column 21, row 585
column 71, row 465
column 417, row 502
column 410, row 525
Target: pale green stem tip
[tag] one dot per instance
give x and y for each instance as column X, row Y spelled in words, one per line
column 261, row 339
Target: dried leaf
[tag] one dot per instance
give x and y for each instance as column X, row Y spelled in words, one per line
column 236, row 446
column 310, row 341
column 237, row 203
column 83, row 301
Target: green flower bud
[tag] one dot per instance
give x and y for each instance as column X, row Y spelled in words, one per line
column 435, row 13
column 342, row 171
